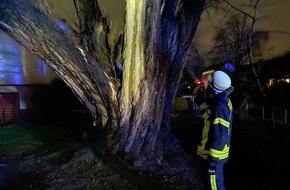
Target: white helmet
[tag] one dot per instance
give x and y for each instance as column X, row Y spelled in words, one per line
column 221, row 81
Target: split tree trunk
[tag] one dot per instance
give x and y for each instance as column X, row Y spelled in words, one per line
column 158, row 34
column 155, row 54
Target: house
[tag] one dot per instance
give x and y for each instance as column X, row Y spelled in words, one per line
column 19, row 73
column 276, row 70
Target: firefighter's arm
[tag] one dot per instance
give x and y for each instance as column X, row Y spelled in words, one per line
column 196, row 90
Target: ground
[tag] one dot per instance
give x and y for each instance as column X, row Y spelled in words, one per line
column 45, row 156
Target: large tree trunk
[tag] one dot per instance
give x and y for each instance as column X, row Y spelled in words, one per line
column 158, row 34
column 152, row 73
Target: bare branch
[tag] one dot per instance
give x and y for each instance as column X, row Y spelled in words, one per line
column 238, row 9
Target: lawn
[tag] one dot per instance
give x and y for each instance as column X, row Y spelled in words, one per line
column 45, row 156
column 52, row 156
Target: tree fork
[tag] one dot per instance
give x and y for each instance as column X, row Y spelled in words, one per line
column 149, row 88
column 158, row 34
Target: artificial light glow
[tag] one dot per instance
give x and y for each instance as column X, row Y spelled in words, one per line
column 229, row 67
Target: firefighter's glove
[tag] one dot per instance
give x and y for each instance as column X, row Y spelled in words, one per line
column 203, row 106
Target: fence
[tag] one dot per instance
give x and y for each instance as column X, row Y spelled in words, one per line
column 276, row 114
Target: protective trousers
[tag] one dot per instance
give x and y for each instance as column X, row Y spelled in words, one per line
column 216, row 179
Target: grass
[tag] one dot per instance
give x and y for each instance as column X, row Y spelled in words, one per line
column 17, row 140
column 38, row 156
column 58, row 159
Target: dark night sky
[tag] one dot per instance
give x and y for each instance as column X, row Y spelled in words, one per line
column 275, row 16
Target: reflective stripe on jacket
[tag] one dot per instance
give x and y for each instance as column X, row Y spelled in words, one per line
column 216, row 133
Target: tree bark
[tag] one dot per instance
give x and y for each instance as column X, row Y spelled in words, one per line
column 38, row 32
column 158, row 35
column 155, row 54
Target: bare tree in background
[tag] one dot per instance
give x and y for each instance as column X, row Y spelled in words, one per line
column 237, row 43
column 194, row 63
column 250, row 17
column 134, row 111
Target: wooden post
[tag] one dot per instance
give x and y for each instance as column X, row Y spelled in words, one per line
column 273, row 119
column 263, row 112
column 286, row 115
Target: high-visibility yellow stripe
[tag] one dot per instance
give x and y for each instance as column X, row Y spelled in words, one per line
column 219, row 120
column 201, row 149
column 205, row 131
column 213, row 182
column 220, row 154
column 230, row 104
column 214, row 153
column 204, row 156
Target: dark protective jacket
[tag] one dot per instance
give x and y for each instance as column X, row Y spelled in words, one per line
column 216, row 134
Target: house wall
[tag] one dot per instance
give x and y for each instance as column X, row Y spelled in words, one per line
column 9, row 107
column 25, row 93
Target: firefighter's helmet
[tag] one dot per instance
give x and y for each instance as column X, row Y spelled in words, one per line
column 220, row 81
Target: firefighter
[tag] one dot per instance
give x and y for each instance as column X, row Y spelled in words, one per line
column 216, row 135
